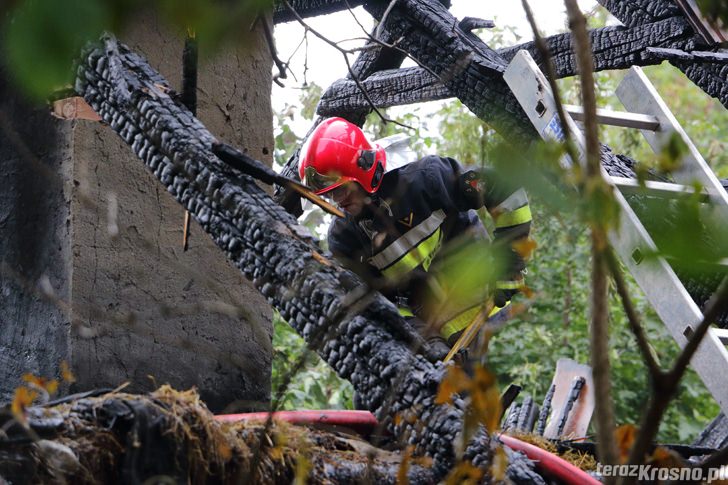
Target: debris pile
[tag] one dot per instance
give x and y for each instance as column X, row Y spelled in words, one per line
column 171, row 435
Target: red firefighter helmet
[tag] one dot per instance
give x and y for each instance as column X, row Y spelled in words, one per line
column 338, row 152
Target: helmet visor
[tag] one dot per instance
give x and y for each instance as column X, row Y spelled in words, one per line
column 318, row 181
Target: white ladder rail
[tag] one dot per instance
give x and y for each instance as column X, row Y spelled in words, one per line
column 638, row 95
column 655, row 276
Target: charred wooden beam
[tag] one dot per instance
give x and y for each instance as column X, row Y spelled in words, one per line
column 310, row 8
column 710, row 77
column 355, row 331
column 637, row 12
column 613, row 47
column 394, row 87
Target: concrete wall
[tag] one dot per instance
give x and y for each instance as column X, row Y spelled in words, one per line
column 142, row 309
column 35, row 163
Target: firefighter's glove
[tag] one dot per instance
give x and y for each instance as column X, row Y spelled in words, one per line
column 472, row 188
column 436, row 349
column 505, row 291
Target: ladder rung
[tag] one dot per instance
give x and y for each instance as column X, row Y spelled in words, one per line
column 721, row 333
column 624, row 119
column 658, row 189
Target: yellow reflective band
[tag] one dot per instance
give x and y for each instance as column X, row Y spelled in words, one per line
column 420, row 254
column 410, row 239
column 405, row 312
column 518, row 216
column 461, row 321
column 509, row 285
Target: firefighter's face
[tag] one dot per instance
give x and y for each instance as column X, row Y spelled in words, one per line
column 350, row 197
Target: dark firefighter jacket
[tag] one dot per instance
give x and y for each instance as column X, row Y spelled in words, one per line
column 420, row 209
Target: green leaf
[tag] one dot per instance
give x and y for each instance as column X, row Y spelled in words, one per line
column 43, row 37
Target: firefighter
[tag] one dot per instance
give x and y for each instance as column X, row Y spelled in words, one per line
column 399, row 223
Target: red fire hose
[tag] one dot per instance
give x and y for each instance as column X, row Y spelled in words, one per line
column 364, row 422
column 550, row 464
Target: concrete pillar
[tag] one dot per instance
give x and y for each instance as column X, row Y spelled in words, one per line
column 129, row 306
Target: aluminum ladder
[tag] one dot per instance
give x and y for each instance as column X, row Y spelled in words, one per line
column 647, row 112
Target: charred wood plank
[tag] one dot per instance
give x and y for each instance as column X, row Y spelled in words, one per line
column 395, row 87
column 310, row 8
column 637, row 12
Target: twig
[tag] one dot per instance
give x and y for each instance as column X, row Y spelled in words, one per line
column 633, row 318
column 380, row 26
column 270, row 40
column 353, row 75
column 288, row 61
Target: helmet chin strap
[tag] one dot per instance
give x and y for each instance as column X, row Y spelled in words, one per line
column 377, row 203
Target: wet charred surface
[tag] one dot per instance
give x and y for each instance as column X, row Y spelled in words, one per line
column 310, row 8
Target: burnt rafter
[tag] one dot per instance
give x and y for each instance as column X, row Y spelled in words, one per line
column 637, row 12
column 392, row 87
column 310, row 8
column 359, row 333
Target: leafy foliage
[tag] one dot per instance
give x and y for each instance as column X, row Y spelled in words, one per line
column 41, row 38
column 315, row 386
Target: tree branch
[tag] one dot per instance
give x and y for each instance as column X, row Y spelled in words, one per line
column 282, row 66
column 633, row 318
column 594, row 184
column 665, row 389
